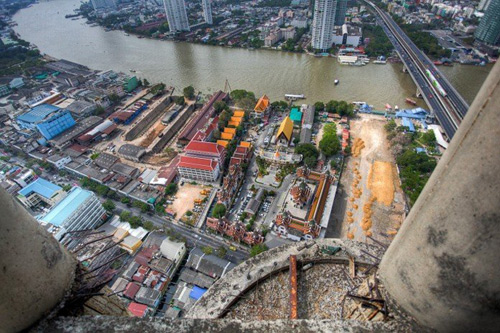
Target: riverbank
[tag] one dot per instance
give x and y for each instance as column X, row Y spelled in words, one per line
column 181, row 64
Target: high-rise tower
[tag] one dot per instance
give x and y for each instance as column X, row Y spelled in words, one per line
column 323, row 24
column 340, row 12
column 488, row 30
column 176, row 15
column 207, row 11
column 103, row 4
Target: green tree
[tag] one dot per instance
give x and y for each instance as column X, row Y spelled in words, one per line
column 188, row 92
column 66, row 188
column 329, row 144
column 102, row 190
column 148, row 225
column 207, row 250
column 220, row 106
column 243, row 216
column 135, row 222
column 125, row 200
column 309, row 152
column 189, row 213
column 428, row 138
column 319, row 106
column 125, row 216
column 257, row 249
column 146, row 82
column 171, row 189
column 179, row 100
column 109, row 205
column 221, row 251
column 114, row 98
column 99, row 110
column 219, row 211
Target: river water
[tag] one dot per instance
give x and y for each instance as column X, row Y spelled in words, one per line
column 207, row 67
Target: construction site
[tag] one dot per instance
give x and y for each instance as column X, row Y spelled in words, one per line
column 372, row 203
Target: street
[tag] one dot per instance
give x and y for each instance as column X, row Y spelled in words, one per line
column 193, row 237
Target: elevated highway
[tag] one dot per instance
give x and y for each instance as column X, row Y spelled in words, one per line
column 445, row 102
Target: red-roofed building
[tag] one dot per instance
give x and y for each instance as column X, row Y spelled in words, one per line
column 140, row 275
column 197, row 168
column 131, row 290
column 138, row 310
column 207, row 150
column 201, row 119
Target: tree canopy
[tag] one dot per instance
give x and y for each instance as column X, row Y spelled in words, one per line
column 219, row 211
column 330, row 143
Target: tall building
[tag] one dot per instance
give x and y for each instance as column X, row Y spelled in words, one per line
column 176, row 15
column 103, row 4
column 207, row 11
column 488, row 30
column 483, row 5
column 340, row 12
column 323, row 24
column 79, row 210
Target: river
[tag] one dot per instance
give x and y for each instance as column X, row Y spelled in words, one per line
column 207, row 67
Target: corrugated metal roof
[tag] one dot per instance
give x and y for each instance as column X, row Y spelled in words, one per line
column 38, row 113
column 67, row 206
column 42, row 187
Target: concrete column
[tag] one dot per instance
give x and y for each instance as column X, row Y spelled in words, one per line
column 35, row 270
column 444, row 265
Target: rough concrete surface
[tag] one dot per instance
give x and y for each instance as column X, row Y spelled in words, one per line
column 36, row 271
column 443, row 265
column 98, row 324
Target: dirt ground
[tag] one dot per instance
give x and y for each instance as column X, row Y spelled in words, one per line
column 185, row 197
column 371, row 202
column 152, row 134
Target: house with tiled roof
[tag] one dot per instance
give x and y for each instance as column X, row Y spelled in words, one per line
column 207, row 150
column 196, row 168
column 262, row 106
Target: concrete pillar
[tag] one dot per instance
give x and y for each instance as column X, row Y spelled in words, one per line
column 443, row 267
column 35, row 270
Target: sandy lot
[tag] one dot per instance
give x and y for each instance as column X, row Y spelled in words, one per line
column 186, row 195
column 373, row 199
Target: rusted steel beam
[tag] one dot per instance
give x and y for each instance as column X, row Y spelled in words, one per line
column 293, row 287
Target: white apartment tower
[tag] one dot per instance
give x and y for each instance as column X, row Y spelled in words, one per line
column 103, row 4
column 176, row 15
column 207, row 11
column 323, row 24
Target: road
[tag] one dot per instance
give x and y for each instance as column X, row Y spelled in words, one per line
column 193, row 237
column 448, row 106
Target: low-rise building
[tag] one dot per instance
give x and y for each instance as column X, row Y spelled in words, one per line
column 262, row 106
column 196, row 168
column 40, row 191
column 347, row 35
column 131, row 152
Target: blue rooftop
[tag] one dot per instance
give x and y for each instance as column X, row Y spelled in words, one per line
column 42, row 187
column 60, row 212
column 197, row 292
column 407, row 123
column 38, row 113
column 295, row 115
column 417, row 113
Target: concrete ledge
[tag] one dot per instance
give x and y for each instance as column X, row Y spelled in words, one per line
column 226, row 291
column 97, row 324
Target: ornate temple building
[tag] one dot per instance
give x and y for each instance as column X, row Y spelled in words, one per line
column 235, row 230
